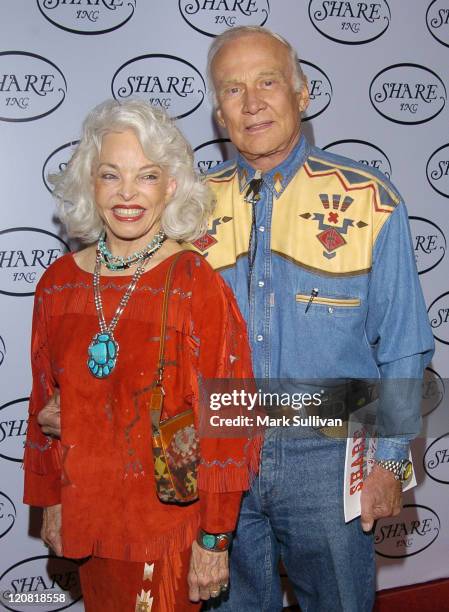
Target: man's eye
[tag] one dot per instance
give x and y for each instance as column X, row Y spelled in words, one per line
column 268, row 83
column 232, row 91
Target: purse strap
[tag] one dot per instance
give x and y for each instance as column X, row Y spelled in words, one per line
column 168, row 278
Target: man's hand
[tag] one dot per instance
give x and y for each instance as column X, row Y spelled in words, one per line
column 49, row 418
column 381, row 496
column 51, row 528
column 208, row 572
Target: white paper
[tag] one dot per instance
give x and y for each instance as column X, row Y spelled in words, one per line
column 360, row 450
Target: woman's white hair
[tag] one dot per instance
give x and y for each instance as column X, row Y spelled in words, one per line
column 186, row 215
column 298, row 76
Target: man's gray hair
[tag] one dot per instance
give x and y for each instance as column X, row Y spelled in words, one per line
column 298, row 76
column 186, row 215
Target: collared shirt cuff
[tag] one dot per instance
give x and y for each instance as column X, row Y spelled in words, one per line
column 392, row 448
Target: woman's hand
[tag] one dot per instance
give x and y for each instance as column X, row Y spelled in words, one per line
column 208, row 573
column 49, row 418
column 51, row 528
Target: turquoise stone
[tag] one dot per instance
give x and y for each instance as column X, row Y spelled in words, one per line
column 102, row 354
column 98, row 352
column 208, row 540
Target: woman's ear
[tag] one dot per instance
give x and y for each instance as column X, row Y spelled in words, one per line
column 171, row 189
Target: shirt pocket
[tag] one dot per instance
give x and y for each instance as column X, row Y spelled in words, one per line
column 328, row 305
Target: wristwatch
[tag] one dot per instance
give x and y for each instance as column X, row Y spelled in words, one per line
column 216, row 542
column 402, row 469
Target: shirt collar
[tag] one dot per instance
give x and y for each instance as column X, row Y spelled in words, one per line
column 279, row 177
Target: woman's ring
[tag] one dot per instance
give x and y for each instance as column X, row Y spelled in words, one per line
column 224, row 587
column 214, row 593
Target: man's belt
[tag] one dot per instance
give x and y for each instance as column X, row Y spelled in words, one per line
column 337, row 402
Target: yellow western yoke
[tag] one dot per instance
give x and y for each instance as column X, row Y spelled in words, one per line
column 325, row 219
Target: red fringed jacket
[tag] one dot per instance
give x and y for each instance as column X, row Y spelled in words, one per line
column 101, row 470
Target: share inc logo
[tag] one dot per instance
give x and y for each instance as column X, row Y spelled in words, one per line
column 438, row 313
column 8, row 514
column 408, row 94
column 213, row 152
column 350, row 22
column 437, row 170
column 320, row 90
column 55, row 579
column 410, row 533
column 437, row 20
column 25, row 254
column 31, row 86
column 57, row 161
column 87, row 16
column 429, row 243
column 211, row 17
column 365, row 152
column 162, row 80
column 436, row 460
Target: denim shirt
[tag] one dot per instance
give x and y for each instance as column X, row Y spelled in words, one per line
column 326, row 224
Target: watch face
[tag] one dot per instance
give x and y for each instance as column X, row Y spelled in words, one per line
column 408, row 471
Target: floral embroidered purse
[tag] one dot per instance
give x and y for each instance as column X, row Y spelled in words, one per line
column 175, row 440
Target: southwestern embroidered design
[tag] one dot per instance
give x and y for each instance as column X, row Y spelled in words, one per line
column 38, row 447
column 277, row 182
column 208, row 240
column 243, row 179
column 334, row 225
column 144, row 600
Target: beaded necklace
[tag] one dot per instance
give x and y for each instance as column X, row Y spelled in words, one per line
column 117, row 262
column 103, row 349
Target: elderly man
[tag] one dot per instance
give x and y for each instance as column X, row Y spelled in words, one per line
column 317, row 250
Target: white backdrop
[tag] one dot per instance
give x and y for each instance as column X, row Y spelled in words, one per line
column 378, row 75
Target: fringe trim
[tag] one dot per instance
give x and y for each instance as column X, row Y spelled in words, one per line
column 172, row 570
column 254, row 456
column 41, row 460
column 171, row 543
column 219, row 478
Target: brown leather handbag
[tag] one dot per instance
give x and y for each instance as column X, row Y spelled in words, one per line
column 175, row 440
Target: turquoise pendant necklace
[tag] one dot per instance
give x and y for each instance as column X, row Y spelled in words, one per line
column 103, row 349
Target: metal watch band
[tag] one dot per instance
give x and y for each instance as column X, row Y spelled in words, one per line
column 215, row 542
column 398, row 467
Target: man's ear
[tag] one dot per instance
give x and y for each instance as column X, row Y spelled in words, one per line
column 303, row 98
column 219, row 116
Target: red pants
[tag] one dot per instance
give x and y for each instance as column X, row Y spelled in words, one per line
column 128, row 586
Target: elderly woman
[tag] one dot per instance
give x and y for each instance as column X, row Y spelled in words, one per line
column 131, row 194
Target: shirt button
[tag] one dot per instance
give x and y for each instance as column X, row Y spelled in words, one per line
column 330, row 310
column 261, row 228
column 259, row 338
column 261, row 283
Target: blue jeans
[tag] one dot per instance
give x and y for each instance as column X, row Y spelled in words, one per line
column 294, row 512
